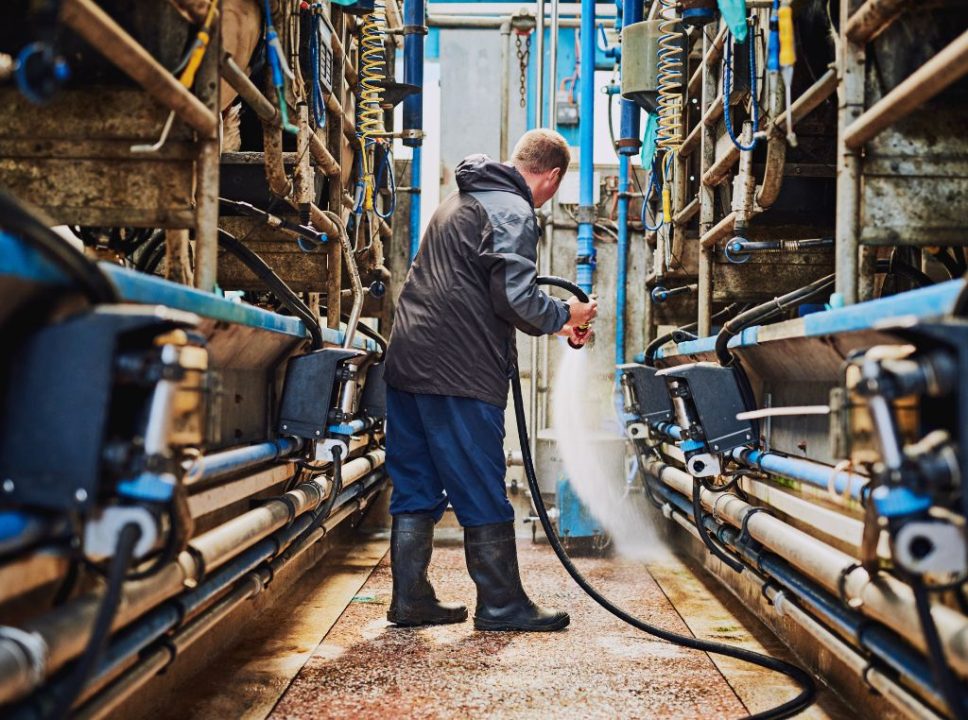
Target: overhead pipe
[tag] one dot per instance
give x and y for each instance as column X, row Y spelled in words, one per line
column 585, row 257
column 494, row 22
column 882, row 598
column 871, row 18
column 50, row 641
column 107, row 37
column 414, row 28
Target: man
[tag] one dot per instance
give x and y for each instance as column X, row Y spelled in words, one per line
column 451, row 352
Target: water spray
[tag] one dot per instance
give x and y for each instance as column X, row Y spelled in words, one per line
column 788, row 709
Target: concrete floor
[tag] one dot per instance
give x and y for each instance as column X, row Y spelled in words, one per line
column 309, row 660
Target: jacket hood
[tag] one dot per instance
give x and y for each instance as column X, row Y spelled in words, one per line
column 478, row 173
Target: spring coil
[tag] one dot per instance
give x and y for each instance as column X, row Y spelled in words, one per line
column 372, row 73
column 670, row 79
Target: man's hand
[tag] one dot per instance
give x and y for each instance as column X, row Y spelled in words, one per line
column 580, row 313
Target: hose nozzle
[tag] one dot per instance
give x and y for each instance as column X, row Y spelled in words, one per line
column 580, row 334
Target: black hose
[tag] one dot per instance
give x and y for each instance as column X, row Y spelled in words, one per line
column 762, row 312
column 372, row 334
column 950, row 689
column 128, row 538
column 653, row 347
column 894, row 266
column 733, row 563
column 15, row 217
column 559, row 282
column 951, row 264
column 788, row 709
column 275, row 283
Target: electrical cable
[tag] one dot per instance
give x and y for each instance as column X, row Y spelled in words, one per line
column 788, row 709
column 950, row 689
column 727, row 90
column 80, row 270
column 275, row 283
column 128, row 538
column 758, row 314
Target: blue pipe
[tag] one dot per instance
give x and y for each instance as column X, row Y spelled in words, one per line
column 622, row 261
column 871, row 636
column 807, row 471
column 585, row 270
column 222, row 463
column 415, row 203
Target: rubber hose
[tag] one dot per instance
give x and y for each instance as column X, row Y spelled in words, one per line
column 275, row 283
column 950, row 688
column 92, row 281
column 788, row 709
column 128, row 539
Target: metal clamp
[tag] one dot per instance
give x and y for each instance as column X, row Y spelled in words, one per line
column 744, row 529
column 33, row 651
column 852, row 603
column 415, row 30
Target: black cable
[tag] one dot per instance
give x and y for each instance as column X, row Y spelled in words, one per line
column 148, row 250
column 894, row 266
column 564, row 285
column 734, row 564
column 950, row 263
column 653, row 347
column 788, row 709
column 128, row 538
column 22, row 222
column 758, row 314
column 950, row 689
column 275, row 283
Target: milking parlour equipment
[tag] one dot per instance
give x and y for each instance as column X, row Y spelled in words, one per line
column 192, row 392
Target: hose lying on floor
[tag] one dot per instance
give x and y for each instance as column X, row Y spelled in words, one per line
column 788, row 709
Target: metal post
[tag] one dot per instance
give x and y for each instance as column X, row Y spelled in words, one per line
column 850, row 106
column 505, row 85
column 207, row 172
column 539, row 73
column 415, row 170
column 707, row 194
column 553, row 62
column 585, row 258
column 621, row 261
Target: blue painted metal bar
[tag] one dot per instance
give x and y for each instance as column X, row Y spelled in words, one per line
column 413, row 69
column 18, row 259
column 621, row 262
column 930, row 302
column 585, row 271
column 230, row 461
column 808, row 471
column 415, row 169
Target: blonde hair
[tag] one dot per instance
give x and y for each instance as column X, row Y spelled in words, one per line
column 541, row 150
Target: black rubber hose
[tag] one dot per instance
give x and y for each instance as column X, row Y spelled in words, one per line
column 950, row 263
column 372, row 334
column 653, row 347
column 950, row 688
column 732, row 562
column 15, row 217
column 788, row 709
column 755, row 315
column 560, row 282
column 128, row 538
column 903, row 269
column 275, row 283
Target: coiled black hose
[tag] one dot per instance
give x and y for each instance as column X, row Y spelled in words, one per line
column 788, row 709
column 89, row 278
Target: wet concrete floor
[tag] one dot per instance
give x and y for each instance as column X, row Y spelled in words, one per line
column 597, row 668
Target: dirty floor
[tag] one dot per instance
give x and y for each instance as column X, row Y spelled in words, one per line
column 597, row 668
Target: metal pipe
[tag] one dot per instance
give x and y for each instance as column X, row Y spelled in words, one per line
column 231, row 461
column 852, row 68
column 871, row 18
column 505, row 87
column 64, row 632
column 882, row 598
column 719, row 231
column 707, row 196
column 539, row 70
column 494, row 22
column 621, row 251
column 786, row 589
column 808, row 471
column 415, row 194
column 553, row 69
column 110, row 39
column 585, row 256
column 944, row 69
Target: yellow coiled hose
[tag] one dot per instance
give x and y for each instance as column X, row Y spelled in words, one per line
column 370, row 113
column 670, row 81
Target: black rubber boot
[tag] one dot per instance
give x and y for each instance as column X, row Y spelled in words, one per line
column 502, row 604
column 414, row 601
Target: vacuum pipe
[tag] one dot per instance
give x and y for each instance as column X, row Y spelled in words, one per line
column 230, row 461
column 65, row 631
column 883, row 598
column 585, row 258
column 823, row 476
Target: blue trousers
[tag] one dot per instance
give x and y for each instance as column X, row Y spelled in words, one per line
column 444, row 449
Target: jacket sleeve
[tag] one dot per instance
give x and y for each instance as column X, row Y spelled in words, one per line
column 508, row 255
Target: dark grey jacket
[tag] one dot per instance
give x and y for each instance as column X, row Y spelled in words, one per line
column 471, row 284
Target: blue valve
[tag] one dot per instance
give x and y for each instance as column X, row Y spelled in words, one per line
column 660, row 294
column 378, row 288
column 40, row 72
column 733, row 251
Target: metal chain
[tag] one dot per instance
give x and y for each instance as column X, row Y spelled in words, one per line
column 524, row 52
